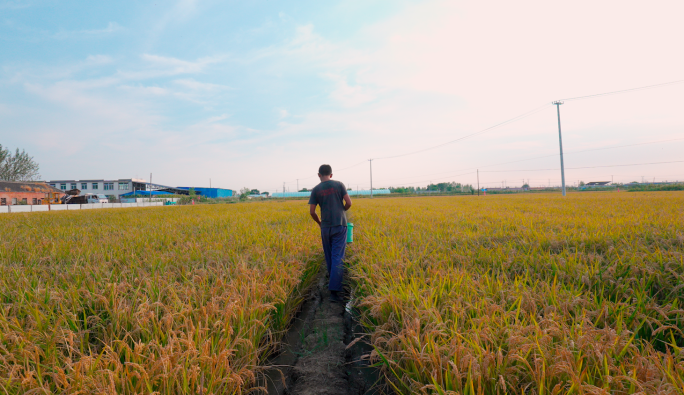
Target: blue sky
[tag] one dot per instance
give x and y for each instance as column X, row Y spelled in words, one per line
column 259, row 93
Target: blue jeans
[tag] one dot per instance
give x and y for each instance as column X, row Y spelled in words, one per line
column 334, row 243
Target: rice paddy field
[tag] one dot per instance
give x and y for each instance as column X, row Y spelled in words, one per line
column 151, row 300
column 526, row 294
column 516, row 294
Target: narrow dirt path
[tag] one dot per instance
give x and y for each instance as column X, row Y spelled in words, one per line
column 315, row 358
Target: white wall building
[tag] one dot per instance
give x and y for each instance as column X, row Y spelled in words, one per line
column 102, row 186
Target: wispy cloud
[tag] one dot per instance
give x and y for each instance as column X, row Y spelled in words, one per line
column 99, row 59
column 112, row 27
column 200, row 86
column 300, row 89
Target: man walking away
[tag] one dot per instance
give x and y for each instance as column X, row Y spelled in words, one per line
column 334, row 201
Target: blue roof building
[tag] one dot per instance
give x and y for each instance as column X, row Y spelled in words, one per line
column 211, row 192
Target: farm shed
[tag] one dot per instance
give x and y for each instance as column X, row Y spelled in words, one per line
column 31, row 192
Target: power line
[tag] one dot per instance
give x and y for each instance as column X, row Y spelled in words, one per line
column 526, row 114
column 360, row 163
column 624, row 90
column 587, row 167
column 573, row 168
column 334, row 171
column 467, row 136
column 539, row 157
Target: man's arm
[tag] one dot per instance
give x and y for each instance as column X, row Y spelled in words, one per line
column 347, row 202
column 312, row 211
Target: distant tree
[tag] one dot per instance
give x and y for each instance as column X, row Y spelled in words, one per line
column 581, row 183
column 306, row 190
column 265, row 193
column 254, row 192
column 18, row 166
column 525, row 186
column 191, row 192
column 244, row 193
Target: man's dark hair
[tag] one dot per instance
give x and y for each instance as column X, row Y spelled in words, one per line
column 325, row 170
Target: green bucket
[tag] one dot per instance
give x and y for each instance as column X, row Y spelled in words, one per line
column 350, row 233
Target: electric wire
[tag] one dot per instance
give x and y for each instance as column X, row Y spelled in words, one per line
column 623, row 90
column 521, row 116
column 530, row 113
column 585, row 167
column 334, row 171
column 539, row 157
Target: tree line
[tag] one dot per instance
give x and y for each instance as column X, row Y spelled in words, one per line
column 443, row 187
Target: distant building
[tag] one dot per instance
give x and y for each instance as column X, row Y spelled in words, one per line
column 211, row 192
column 101, row 186
column 16, row 192
column 132, row 186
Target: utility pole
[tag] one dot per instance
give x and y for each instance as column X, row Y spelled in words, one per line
column 371, row 175
column 560, row 141
column 478, row 182
column 150, row 187
column 283, row 189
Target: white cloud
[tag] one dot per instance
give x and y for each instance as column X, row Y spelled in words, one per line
column 216, row 119
column 434, row 72
column 348, row 95
column 172, row 66
column 200, row 86
column 147, row 90
column 181, row 11
column 97, row 60
column 112, row 27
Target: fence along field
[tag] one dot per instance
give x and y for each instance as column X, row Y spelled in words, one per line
column 534, row 294
column 148, row 300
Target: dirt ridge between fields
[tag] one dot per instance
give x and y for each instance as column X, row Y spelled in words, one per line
column 315, row 357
